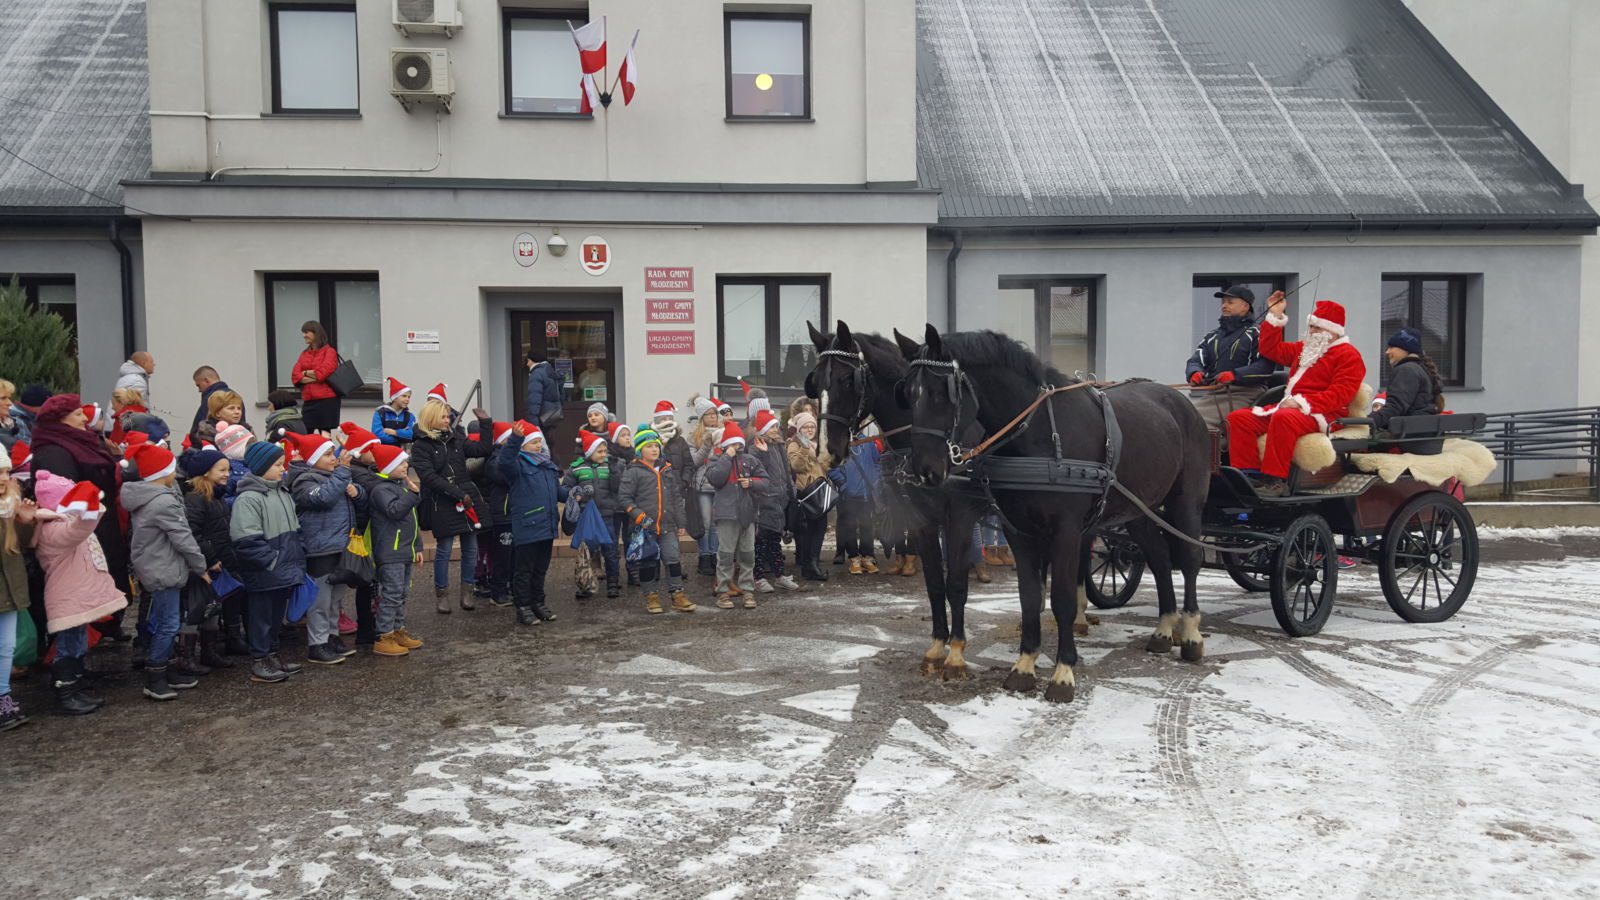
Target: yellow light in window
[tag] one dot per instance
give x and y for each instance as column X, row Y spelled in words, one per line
column 763, row 82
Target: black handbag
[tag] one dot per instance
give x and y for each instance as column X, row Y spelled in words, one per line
column 199, row 601
column 356, row 566
column 817, row 500
column 345, row 380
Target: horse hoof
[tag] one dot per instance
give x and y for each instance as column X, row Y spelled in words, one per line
column 1093, row 620
column 1020, row 682
column 931, row 666
column 1159, row 643
column 1060, row 692
column 955, row 673
column 1193, row 651
column 1081, row 630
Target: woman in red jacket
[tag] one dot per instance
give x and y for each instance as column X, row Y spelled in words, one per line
column 319, row 404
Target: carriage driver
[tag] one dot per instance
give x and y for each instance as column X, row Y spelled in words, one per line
column 1324, row 376
column 1228, row 360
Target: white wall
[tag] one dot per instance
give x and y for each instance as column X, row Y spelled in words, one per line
column 211, row 58
column 1537, row 59
column 451, row 278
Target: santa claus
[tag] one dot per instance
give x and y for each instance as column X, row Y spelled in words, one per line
column 1325, row 374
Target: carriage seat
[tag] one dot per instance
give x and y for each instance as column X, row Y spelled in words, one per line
column 1315, row 452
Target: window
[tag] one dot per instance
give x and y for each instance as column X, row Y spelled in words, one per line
column 541, row 62
column 768, row 65
column 761, row 325
column 1207, row 307
column 347, row 306
column 314, row 59
column 1435, row 306
column 52, row 293
column 1055, row 316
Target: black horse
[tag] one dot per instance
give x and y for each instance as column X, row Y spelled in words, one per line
column 854, row 380
column 990, row 379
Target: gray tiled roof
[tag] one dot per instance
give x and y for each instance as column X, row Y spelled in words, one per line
column 1212, row 110
column 74, row 92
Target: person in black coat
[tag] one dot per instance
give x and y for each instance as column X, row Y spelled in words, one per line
column 1415, row 388
column 496, row 583
column 1228, row 360
column 456, row 505
column 207, row 512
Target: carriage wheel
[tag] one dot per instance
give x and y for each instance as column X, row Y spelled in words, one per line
column 1115, row 568
column 1304, row 576
column 1430, row 558
column 1250, row 570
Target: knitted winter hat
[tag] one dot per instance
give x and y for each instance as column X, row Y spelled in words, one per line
column 154, row 462
column 389, row 458
column 356, row 438
column 759, row 405
column 309, row 447
column 394, row 390
column 643, row 437
column 801, row 419
column 233, row 440
column 765, row 422
column 438, row 394
column 732, row 436
column 261, row 456
column 702, row 405
column 49, row 488
column 200, row 462
column 591, row 442
column 600, row 408
column 59, row 407
column 33, row 396
column 1407, row 340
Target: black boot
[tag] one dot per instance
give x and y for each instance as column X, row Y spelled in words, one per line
column 211, row 653
column 180, row 681
column 233, row 642
column 187, row 656
column 812, row 572
column 66, row 677
column 525, row 616
column 708, row 564
column 543, row 612
column 155, row 684
column 613, row 588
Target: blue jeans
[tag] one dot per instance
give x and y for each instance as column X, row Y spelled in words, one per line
column 8, row 649
column 72, row 643
column 709, row 543
column 163, row 624
column 469, row 560
column 264, row 611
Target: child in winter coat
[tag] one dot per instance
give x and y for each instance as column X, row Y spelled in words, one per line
column 164, row 556
column 283, row 416
column 77, row 582
column 16, row 533
column 652, row 498
column 740, row 481
column 620, row 453
column 702, row 444
column 857, row 507
column 675, row 450
column 396, row 542
column 233, row 441
column 592, row 478
column 597, row 420
column 272, row 562
column 500, row 553
column 772, row 512
column 358, row 444
column 393, row 422
column 208, row 516
column 326, row 501
column 534, row 486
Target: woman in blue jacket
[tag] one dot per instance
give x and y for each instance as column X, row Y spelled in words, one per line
column 534, row 495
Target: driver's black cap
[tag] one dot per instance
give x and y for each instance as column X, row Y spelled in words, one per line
column 1238, row 291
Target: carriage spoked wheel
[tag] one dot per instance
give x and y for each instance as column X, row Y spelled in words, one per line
column 1250, row 571
column 1430, row 558
column 1304, row 576
column 1115, row 569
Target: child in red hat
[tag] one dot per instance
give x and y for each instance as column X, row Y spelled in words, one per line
column 77, row 588
column 396, row 546
column 165, row 556
column 326, row 499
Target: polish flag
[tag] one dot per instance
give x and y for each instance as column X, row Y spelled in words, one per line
column 590, row 95
column 591, row 40
column 629, row 76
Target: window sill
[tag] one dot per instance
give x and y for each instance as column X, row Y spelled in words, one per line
column 1463, row 389
column 757, row 120
column 341, row 114
column 559, row 117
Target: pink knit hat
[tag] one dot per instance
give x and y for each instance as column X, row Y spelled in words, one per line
column 232, row 440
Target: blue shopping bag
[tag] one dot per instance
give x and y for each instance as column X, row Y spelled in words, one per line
column 591, row 529
column 300, row 601
column 642, row 547
column 224, row 583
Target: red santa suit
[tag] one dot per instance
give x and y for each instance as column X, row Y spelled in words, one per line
column 1320, row 390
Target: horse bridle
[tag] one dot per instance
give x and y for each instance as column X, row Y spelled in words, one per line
column 957, row 383
column 858, row 363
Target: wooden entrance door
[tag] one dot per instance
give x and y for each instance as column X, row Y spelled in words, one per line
column 581, row 345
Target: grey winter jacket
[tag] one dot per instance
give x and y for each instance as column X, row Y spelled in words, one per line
column 733, row 503
column 163, row 550
column 133, row 375
column 655, row 493
column 327, row 514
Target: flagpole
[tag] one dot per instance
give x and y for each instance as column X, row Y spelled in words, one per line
column 605, row 99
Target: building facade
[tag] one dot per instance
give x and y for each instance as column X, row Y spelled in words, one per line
column 763, row 176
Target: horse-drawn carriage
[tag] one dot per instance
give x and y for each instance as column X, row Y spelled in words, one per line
column 1368, row 498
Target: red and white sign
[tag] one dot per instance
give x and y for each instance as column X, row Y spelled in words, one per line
column 677, row 343
column 661, row 279
column 552, row 329
column 669, row 311
column 595, row 254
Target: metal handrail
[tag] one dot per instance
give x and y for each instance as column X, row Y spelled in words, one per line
column 1545, row 435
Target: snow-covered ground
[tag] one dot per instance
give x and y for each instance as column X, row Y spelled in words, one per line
column 802, row 756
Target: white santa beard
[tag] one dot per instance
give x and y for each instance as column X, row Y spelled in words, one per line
column 1316, row 344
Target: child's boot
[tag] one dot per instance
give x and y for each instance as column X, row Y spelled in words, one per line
column 389, row 645
column 155, row 684
column 680, row 601
column 405, row 639
column 613, row 587
column 441, row 601
column 869, row 565
column 652, row 603
column 464, row 596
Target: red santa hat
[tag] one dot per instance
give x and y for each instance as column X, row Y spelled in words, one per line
column 615, row 431
column 501, row 432
column 765, row 421
column 529, row 431
column 1327, row 315
column 591, row 442
column 664, row 410
column 437, row 393
column 388, row 458
column 153, row 461
column 724, row 408
column 81, row 501
column 394, row 390
column 132, row 441
column 356, row 438
column 92, row 413
column 732, row 435
column 309, row 447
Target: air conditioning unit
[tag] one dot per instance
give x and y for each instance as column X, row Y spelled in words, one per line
column 427, row 17
column 421, row 75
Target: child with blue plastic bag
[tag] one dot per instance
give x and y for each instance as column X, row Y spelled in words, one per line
column 534, row 494
column 652, row 496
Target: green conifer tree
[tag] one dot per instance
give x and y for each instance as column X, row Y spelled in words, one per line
column 35, row 346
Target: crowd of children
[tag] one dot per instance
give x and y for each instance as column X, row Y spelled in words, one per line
column 217, row 540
